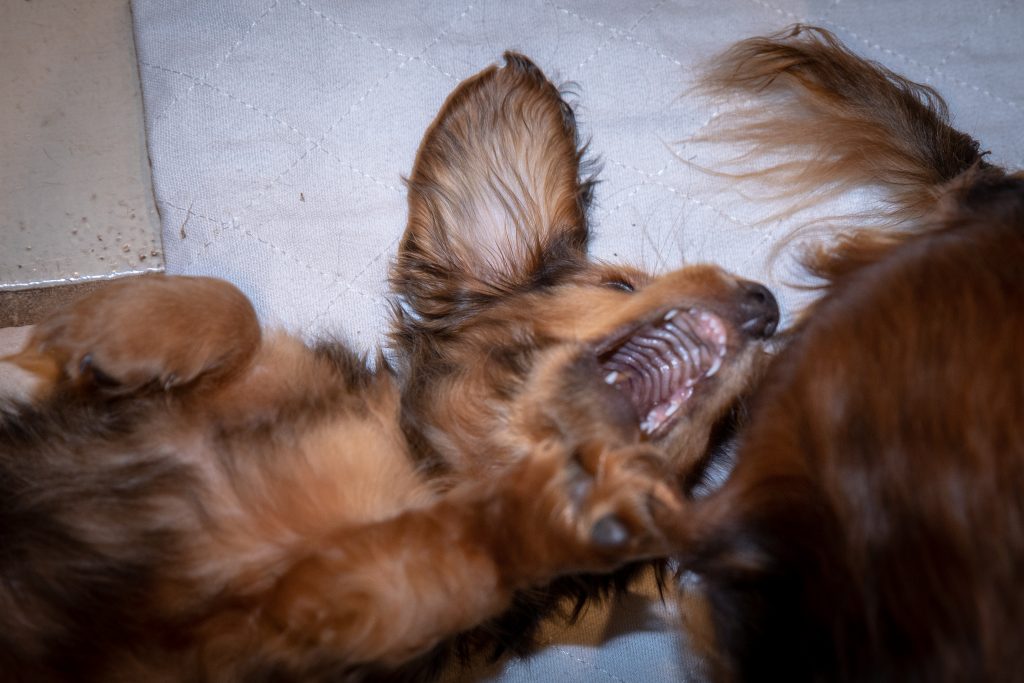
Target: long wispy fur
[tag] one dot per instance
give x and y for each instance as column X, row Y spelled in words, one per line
column 873, row 528
column 846, row 125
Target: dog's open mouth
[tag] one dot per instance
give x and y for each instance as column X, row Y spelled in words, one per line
column 659, row 364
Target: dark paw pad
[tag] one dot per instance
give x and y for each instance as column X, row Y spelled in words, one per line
column 610, row 532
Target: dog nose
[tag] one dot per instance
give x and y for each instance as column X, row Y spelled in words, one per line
column 759, row 310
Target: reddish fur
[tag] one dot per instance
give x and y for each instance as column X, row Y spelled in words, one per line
column 849, row 126
column 874, row 526
column 194, row 499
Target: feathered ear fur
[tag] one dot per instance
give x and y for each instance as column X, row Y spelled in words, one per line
column 843, row 122
column 858, row 122
column 496, row 203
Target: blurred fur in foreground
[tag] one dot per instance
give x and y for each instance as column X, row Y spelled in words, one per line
column 873, row 528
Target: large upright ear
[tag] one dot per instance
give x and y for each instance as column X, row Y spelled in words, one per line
column 496, row 203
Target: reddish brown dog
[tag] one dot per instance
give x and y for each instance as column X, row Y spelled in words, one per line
column 873, row 529
column 191, row 498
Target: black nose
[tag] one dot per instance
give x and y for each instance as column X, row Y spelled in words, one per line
column 759, row 311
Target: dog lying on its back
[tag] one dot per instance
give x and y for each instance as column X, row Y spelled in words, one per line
column 191, row 498
column 873, row 528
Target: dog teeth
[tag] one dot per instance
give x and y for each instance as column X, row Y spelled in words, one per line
column 660, row 413
column 611, row 377
column 672, row 408
column 715, row 365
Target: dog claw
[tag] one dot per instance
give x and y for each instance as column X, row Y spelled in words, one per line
column 87, row 368
column 610, row 532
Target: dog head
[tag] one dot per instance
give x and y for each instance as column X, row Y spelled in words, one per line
column 510, row 334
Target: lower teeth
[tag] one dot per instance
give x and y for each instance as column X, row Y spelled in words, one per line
column 657, row 416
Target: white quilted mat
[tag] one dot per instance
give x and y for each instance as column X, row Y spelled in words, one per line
column 279, row 131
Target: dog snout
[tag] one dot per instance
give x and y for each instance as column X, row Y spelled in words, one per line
column 759, row 310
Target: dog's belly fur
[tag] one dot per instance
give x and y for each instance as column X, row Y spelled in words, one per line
column 292, row 478
column 153, row 510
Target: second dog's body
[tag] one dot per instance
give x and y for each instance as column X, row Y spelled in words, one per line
column 873, row 528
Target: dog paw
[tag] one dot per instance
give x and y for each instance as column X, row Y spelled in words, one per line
column 153, row 330
column 591, row 511
column 618, row 493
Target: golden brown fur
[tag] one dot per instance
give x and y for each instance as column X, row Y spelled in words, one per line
column 846, row 126
column 873, row 528
column 191, row 498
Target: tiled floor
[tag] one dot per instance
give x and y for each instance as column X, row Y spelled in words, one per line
column 75, row 198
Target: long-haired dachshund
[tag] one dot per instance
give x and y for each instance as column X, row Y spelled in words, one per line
column 873, row 529
column 191, row 498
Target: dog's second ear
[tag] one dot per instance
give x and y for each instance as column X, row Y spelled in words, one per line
column 496, row 204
